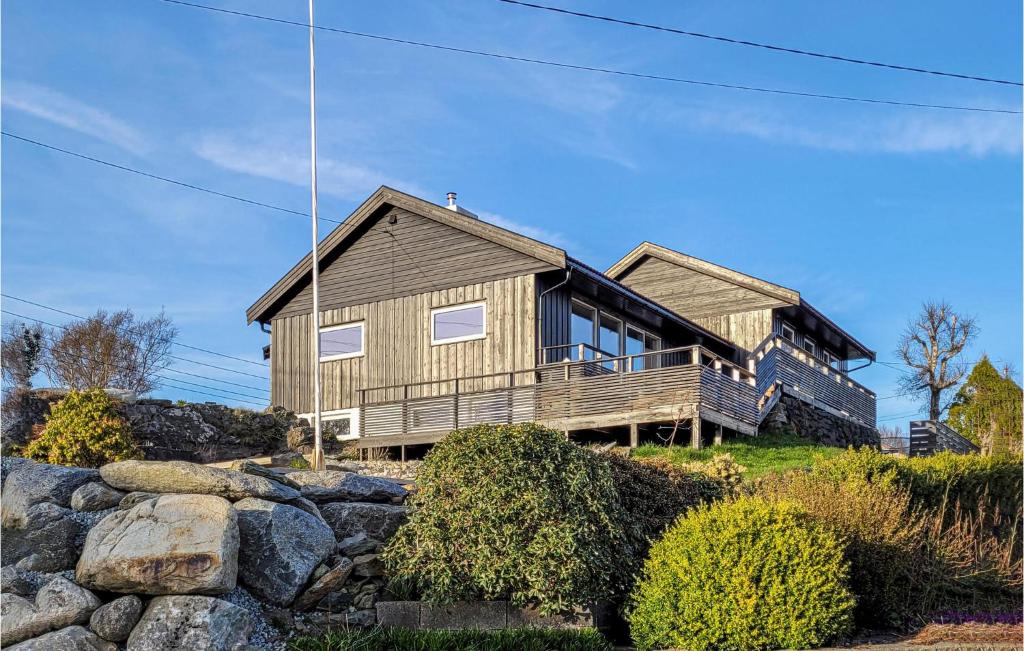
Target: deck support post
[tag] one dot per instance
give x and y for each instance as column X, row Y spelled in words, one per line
column 695, row 441
column 718, row 434
column 403, row 454
column 634, row 435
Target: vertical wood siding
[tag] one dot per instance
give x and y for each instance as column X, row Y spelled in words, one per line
column 746, row 329
column 397, row 344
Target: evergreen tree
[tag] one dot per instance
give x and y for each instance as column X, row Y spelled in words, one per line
column 987, row 409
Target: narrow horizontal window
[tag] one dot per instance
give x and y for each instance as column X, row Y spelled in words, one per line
column 458, row 323
column 341, row 342
column 788, row 332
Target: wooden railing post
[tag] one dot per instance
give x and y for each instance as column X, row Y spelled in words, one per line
column 580, row 352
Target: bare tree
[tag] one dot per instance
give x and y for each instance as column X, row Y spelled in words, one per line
column 110, row 350
column 21, row 352
column 932, row 346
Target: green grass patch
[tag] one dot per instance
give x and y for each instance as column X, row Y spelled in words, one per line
column 398, row 639
column 760, row 455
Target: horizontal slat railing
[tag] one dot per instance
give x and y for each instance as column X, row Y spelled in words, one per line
column 780, row 361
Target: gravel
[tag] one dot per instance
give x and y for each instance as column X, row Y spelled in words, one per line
column 88, row 520
column 264, row 635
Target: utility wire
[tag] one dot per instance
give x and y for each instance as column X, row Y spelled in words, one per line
column 766, row 46
column 204, row 377
column 607, row 71
column 176, row 343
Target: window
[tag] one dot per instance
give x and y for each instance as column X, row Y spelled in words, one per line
column 458, row 323
column 610, row 334
column 637, row 343
column 833, row 360
column 788, row 332
column 581, row 327
column 341, row 341
column 810, row 346
column 341, row 424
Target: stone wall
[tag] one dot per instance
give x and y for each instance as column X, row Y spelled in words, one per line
column 165, row 430
column 802, row 418
column 171, row 555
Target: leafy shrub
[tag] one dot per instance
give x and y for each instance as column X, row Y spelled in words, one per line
column 884, row 538
column 398, row 639
column 652, row 495
column 721, row 470
column 746, row 574
column 510, row 511
column 83, row 429
column 299, row 463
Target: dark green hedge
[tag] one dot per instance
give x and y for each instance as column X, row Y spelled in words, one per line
column 396, row 639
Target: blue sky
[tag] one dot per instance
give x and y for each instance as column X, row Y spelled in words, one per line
column 866, row 210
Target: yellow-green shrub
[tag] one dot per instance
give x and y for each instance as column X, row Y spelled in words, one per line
column 745, row 575
column 83, row 429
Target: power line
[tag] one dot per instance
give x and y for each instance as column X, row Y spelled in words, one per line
column 204, row 393
column 766, row 46
column 91, row 359
column 157, row 177
column 176, row 343
column 607, row 71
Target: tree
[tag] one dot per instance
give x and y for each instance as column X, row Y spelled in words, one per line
column 987, row 409
column 21, row 352
column 932, row 346
column 110, row 350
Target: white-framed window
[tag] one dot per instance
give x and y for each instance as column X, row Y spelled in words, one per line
column 833, row 360
column 787, row 332
column 464, row 322
column 341, row 424
column 342, row 341
column 810, row 346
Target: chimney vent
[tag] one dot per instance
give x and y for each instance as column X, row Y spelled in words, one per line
column 457, row 208
column 451, row 199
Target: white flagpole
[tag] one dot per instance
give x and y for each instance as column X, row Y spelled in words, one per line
column 318, row 446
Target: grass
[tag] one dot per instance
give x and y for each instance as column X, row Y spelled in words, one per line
column 761, row 455
column 397, row 639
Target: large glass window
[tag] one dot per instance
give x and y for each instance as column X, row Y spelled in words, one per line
column 581, row 328
column 458, row 323
column 341, row 341
column 639, row 342
column 610, row 335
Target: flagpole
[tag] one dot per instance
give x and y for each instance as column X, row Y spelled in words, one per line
column 318, row 446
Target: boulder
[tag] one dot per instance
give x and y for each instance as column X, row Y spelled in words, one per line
column 135, row 498
column 358, row 544
column 300, row 439
column 45, row 539
column 174, row 544
column 191, row 622
column 376, row 521
column 338, row 486
column 185, row 477
column 59, row 603
column 16, row 581
column 253, row 468
column 367, row 565
column 72, row 638
column 95, row 496
column 10, row 464
column 324, row 585
column 286, row 459
column 280, row 547
column 36, row 483
column 115, row 621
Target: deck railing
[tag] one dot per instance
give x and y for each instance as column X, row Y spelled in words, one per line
column 781, row 361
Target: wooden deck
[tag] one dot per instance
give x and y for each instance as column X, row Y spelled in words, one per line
column 677, row 384
column 780, row 362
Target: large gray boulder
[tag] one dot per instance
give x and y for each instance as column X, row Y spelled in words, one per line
column 95, row 496
column 115, row 621
column 59, row 603
column 280, row 547
column 35, row 483
column 338, row 486
column 185, row 477
column 72, row 638
column 45, row 539
column 173, row 544
column 191, row 622
column 16, row 581
column 377, row 522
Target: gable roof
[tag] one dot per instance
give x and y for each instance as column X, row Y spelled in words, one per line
column 383, row 199
column 778, row 292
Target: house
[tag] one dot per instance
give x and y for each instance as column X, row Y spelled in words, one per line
column 432, row 319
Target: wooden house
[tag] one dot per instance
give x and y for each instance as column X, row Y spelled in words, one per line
column 432, row 320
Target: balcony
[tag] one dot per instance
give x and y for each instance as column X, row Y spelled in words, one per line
column 585, row 389
column 782, row 363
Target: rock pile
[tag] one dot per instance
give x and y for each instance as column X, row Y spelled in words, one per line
column 818, row 425
column 151, row 555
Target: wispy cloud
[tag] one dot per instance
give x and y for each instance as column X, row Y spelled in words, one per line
column 340, row 178
column 58, row 108
column 553, row 238
column 976, row 135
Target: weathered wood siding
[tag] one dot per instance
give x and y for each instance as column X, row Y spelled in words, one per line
column 745, row 329
column 397, row 344
column 414, row 255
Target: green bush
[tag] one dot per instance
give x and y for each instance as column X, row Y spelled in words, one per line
column 397, row 639
column 83, row 429
column 744, row 575
column 511, row 512
column 884, row 538
column 652, row 496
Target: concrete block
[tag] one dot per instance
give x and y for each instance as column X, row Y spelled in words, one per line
column 487, row 615
column 398, row 614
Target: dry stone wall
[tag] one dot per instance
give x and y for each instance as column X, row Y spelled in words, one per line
column 817, row 425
